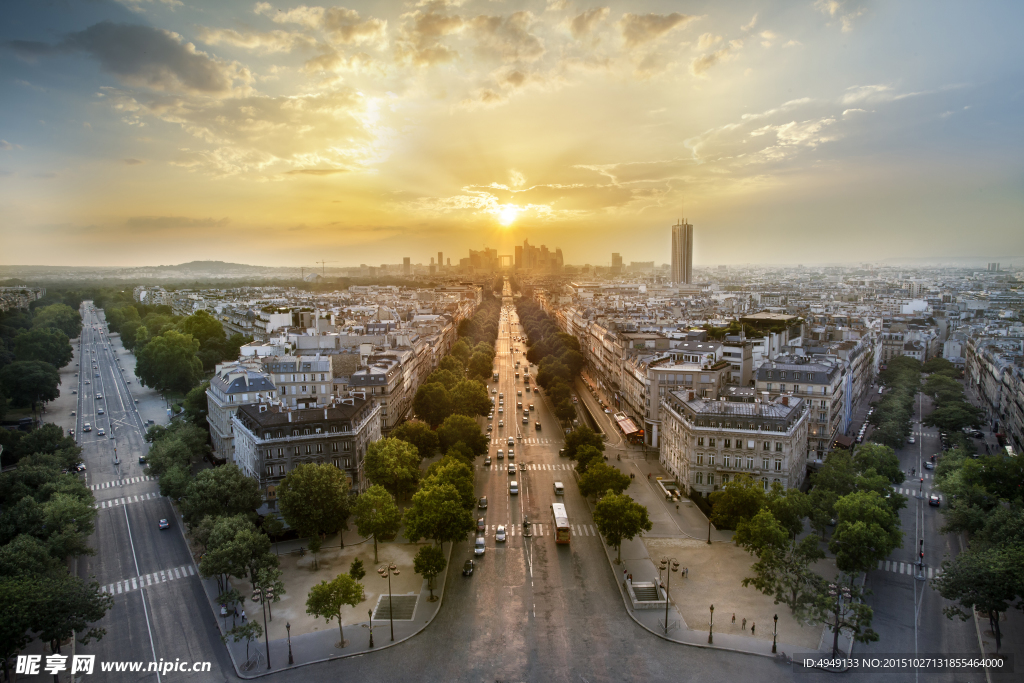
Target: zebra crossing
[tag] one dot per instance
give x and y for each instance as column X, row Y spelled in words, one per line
column 913, row 492
column 162, row 576
column 110, row 484
column 116, row 502
column 532, row 440
column 544, row 529
column 498, row 466
column 907, row 568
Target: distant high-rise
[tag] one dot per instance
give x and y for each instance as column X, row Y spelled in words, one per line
column 616, row 263
column 440, row 259
column 682, row 253
column 406, row 267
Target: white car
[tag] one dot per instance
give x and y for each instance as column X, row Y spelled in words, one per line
column 911, row 440
column 499, row 535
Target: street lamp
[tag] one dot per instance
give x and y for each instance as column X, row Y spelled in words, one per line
column 711, row 626
column 775, row 633
column 369, row 613
column 709, row 529
column 257, row 596
column 385, row 571
column 288, row 627
column 666, row 563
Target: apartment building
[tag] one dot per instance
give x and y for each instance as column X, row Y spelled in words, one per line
column 301, row 381
column 707, row 442
column 233, row 385
column 825, row 383
column 272, row 440
column 382, row 380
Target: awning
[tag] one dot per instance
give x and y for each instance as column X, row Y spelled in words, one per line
column 843, row 441
column 627, row 426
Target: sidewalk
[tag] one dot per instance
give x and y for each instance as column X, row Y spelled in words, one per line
column 321, row 645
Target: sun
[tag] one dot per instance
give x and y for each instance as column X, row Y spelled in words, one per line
column 507, row 214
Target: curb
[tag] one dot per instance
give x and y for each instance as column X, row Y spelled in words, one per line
column 272, row 672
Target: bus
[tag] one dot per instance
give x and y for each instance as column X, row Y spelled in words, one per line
column 561, row 522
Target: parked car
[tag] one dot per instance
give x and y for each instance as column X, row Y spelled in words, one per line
column 468, row 567
column 481, row 525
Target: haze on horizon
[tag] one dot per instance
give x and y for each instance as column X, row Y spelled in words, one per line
column 148, row 132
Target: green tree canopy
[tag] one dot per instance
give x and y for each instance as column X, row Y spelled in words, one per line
column 432, row 403
column 393, row 464
column 954, row 416
column 428, row 563
column 469, row 397
column 326, row 599
column 377, row 515
column 61, row 317
column 462, row 351
column 600, row 478
column 437, row 512
column 480, row 365
column 169, row 362
column 224, row 490
column 619, row 518
column 314, row 499
column 458, row 428
column 419, row 434
column 452, row 365
column 27, row 383
column 739, row 500
column 452, row 470
column 582, row 436
column 867, row 531
column 587, row 456
column 46, row 344
column 203, row 327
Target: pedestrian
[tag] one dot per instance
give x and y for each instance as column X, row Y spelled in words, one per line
column 624, row 574
column 630, row 579
column 744, row 625
column 752, row 626
column 734, row 617
column 243, row 615
column 648, row 475
column 236, row 612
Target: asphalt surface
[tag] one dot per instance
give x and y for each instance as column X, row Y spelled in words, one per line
column 169, row 618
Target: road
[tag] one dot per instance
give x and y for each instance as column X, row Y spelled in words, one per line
column 169, row 617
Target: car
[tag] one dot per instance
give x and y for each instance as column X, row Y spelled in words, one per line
column 501, row 396
column 100, row 431
column 526, row 419
column 501, row 423
column 519, row 393
column 490, row 428
column 468, row 567
column 978, row 434
column 482, row 503
column 511, row 441
column 511, row 454
column 499, row 535
column 527, row 388
column 164, row 524
column 80, row 467
column 99, row 397
column 97, row 374
column 910, row 439
column 71, row 432
column 73, row 412
column 487, row 461
column 100, row 411
column 142, row 460
column 74, row 391
column 494, row 391
column 481, row 525
column 536, row 425
column 562, row 452
column 929, row 465
column 513, row 487
column 501, row 454
column 480, row 546
column 512, row 468
column 933, row 500
column 86, row 427
column 501, row 411
column 88, row 381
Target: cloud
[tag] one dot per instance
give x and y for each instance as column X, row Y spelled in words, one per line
column 792, row 43
column 507, row 38
column 269, row 41
column 146, row 56
column 700, row 66
column 829, row 7
column 310, row 17
column 331, row 61
column 136, row 5
column 750, row 24
column 4, row 145
column 834, row 9
column 582, row 24
column 344, row 26
column 847, row 112
column 862, row 93
column 638, row 29
column 419, row 39
column 707, row 40
column 316, row 171
column 767, row 38
column 170, row 222
column 131, row 162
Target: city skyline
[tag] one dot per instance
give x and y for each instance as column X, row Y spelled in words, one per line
column 244, row 130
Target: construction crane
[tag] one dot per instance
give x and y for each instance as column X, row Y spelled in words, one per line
column 323, row 268
column 302, row 272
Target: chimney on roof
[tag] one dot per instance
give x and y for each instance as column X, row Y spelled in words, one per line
column 785, row 401
column 289, row 416
column 325, row 413
column 691, row 395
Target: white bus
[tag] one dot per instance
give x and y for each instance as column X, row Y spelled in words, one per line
column 561, row 522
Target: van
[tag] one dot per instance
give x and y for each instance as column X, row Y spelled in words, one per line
column 559, row 488
column 480, row 546
column 513, row 487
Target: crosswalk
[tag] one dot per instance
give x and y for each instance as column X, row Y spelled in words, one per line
column 162, row 576
column 498, row 466
column 532, row 440
column 109, row 484
column 127, row 500
column 907, row 568
column 544, row 529
column 913, row 492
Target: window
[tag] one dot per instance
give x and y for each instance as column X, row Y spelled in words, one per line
column 769, row 386
column 278, row 434
column 728, row 443
column 304, row 388
column 704, row 379
column 348, row 462
column 334, row 446
column 700, row 458
column 725, row 461
column 280, row 452
column 336, row 462
column 778, row 446
column 698, row 478
column 766, row 446
column 796, row 388
column 319, row 448
column 270, row 470
column 280, row 470
column 711, row 442
column 308, row 451
column 725, row 479
column 711, row 479
column 764, row 483
column 778, row 465
column 824, row 403
column 782, row 375
column 750, row 444
column 306, row 432
column 764, row 463
column 266, row 435
column 700, row 441
column 711, row 459
column 750, row 463
column 782, row 387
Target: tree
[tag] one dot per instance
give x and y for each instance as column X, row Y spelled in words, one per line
column 446, row 378
column 782, row 570
column 231, row 599
column 480, row 365
column 169, row 362
column 167, row 454
column 565, row 410
column 377, row 515
column 739, row 500
column 248, row 631
column 393, row 464
column 224, row 490
column 432, row 403
column 789, row 507
column 203, row 327
column 461, row 351
column 196, row 405
column 582, row 436
column 46, row 344
column 619, row 518
column 469, row 397
column 988, row 580
column 234, row 548
column 954, row 416
column 61, row 317
column 586, row 457
column 881, row 459
column 465, row 429
column 842, row 607
column 939, row 364
column 314, row 500
column 65, row 606
column 272, row 526
column 600, row 478
column 867, row 531
column 356, row 569
column 452, row 365
column 327, row 598
column 419, row 434
column 26, row 383
column 437, row 512
column 452, row 470
column 428, row 563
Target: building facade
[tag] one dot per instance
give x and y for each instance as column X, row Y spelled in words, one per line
column 232, row 386
column 682, row 253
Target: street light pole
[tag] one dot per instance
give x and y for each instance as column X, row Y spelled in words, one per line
column 709, row 529
column 775, row 633
column 711, row 626
column 666, row 563
column 288, row 627
column 369, row 613
column 385, row 571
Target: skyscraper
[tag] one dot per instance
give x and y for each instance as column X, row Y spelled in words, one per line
column 406, row 266
column 440, row 259
column 616, row 263
column 682, row 253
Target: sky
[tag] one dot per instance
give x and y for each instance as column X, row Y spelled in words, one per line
column 148, row 132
